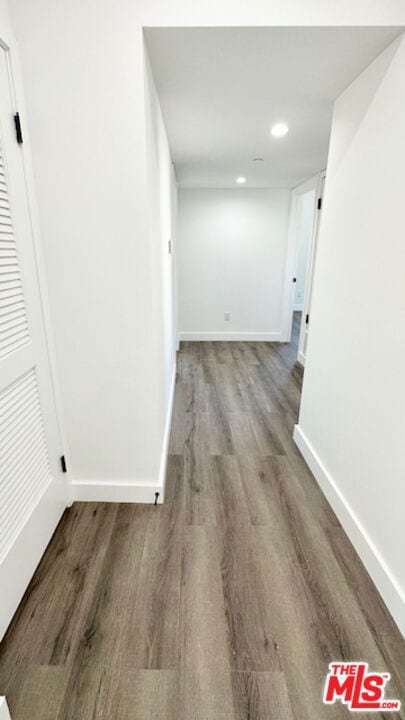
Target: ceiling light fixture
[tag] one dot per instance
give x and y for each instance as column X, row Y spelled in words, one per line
column 279, row 130
column 241, row 180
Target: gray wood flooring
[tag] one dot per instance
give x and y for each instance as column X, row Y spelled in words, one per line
column 227, row 602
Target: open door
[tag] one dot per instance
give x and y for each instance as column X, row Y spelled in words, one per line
column 309, row 276
column 32, row 489
column 302, row 214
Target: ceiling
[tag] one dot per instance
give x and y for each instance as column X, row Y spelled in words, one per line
column 221, row 89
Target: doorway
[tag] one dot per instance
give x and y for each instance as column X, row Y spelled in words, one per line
column 310, row 263
column 305, row 207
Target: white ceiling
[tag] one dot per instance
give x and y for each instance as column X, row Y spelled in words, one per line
column 222, row 88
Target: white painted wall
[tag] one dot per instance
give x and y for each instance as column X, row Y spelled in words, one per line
column 305, row 224
column 231, row 258
column 108, row 284
column 162, row 194
column 352, row 420
column 84, row 72
column 92, row 192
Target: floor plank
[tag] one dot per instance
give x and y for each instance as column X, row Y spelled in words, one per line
column 261, row 695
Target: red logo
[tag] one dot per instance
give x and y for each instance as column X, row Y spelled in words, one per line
column 353, row 685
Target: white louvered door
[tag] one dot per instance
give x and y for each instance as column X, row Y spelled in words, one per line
column 32, row 492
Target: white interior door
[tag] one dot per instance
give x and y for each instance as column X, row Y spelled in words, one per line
column 306, row 202
column 32, row 490
column 300, row 231
column 309, row 279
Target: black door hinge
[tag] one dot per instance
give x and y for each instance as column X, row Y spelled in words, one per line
column 18, row 131
column 63, row 464
column 307, row 320
column 319, row 203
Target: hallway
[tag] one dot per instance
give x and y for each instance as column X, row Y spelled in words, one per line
column 225, row 603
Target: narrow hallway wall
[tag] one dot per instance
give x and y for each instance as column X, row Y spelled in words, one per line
column 352, row 420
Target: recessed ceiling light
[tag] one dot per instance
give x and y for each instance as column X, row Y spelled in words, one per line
column 240, row 179
column 279, row 130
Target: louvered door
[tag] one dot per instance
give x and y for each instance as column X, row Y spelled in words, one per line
column 14, row 325
column 32, row 493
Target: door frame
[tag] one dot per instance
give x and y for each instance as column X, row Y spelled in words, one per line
column 310, row 272
column 9, row 45
column 292, row 254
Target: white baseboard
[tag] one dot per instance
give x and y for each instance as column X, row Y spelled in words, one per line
column 131, row 491
column 4, row 711
column 298, row 308
column 126, row 491
column 301, row 358
column 376, row 566
column 230, row 336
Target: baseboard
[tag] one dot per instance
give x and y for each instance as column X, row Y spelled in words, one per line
column 4, row 711
column 131, row 491
column 381, row 575
column 126, row 491
column 298, row 308
column 230, row 336
column 301, row 358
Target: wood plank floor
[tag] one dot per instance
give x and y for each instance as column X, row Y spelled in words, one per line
column 226, row 603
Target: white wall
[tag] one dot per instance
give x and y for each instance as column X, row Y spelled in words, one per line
column 84, row 71
column 100, row 248
column 91, row 185
column 162, row 223
column 352, row 420
column 231, row 258
column 305, row 224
